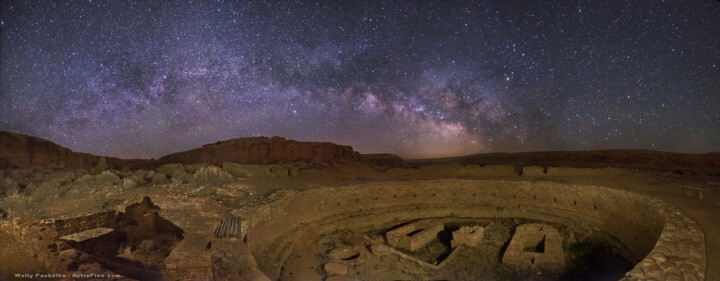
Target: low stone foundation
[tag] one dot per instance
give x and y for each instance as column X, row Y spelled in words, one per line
column 469, row 236
column 537, row 248
column 106, row 242
column 415, row 235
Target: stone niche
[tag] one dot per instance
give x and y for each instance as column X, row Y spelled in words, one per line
column 415, row 235
column 535, row 247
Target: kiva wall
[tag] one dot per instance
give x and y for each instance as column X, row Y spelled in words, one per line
column 635, row 220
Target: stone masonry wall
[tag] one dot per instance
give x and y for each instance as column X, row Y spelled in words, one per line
column 427, row 230
column 40, row 237
column 637, row 221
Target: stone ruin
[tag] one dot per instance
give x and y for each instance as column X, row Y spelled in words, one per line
column 295, row 217
column 133, row 243
column 535, row 247
column 415, row 235
column 467, row 236
column 256, row 247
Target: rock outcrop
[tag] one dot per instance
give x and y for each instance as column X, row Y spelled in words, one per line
column 262, row 150
column 21, row 152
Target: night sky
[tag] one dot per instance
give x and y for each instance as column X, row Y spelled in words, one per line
column 418, row 79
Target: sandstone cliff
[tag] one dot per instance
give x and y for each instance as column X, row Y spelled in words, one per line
column 21, row 152
column 262, row 150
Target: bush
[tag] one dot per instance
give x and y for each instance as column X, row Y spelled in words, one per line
column 213, row 176
column 8, row 187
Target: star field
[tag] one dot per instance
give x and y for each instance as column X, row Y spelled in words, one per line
column 418, row 79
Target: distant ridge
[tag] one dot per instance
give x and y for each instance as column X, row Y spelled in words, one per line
column 623, row 158
column 18, row 151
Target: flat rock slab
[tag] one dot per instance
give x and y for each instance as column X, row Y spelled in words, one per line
column 335, row 269
column 87, row 234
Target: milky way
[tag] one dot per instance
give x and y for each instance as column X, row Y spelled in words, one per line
column 419, row 79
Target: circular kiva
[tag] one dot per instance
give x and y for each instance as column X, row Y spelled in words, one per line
column 654, row 234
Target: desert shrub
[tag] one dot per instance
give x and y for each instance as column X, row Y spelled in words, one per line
column 180, row 177
column 107, row 178
column 8, row 187
column 212, row 175
column 23, row 205
column 132, row 179
column 139, row 176
column 159, row 178
column 170, row 169
column 129, row 183
column 52, row 188
column 85, row 179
